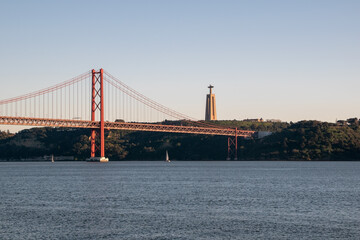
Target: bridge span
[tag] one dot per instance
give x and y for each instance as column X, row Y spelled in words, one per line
column 124, row 126
column 100, row 97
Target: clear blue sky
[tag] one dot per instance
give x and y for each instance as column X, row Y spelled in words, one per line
column 289, row 60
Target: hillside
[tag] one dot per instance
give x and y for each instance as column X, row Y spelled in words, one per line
column 305, row 140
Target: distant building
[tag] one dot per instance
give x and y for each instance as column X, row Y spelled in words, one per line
column 210, row 110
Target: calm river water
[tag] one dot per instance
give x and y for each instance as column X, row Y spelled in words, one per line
column 180, row 200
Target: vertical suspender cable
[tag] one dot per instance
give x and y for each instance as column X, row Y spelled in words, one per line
column 115, row 102
column 60, row 103
column 123, row 105
column 77, row 99
column 69, row 102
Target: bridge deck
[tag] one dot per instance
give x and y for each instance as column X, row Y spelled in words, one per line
column 123, row 126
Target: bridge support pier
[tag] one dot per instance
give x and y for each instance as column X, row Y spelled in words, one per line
column 97, row 103
column 232, row 147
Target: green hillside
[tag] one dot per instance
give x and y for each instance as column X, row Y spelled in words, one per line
column 305, row 140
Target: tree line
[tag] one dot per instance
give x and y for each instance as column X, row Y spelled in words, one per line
column 304, row 140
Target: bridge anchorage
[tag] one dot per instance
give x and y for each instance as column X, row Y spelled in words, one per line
column 112, row 105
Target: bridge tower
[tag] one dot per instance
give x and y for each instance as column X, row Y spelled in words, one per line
column 210, row 111
column 97, row 105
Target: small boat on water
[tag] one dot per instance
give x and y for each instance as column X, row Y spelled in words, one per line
column 167, row 157
column 52, row 158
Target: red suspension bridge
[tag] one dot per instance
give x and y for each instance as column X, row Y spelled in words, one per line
column 99, row 101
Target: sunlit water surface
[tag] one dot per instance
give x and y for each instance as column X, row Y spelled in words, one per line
column 180, row 200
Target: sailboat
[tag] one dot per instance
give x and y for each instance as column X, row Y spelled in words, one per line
column 167, row 157
column 52, row 158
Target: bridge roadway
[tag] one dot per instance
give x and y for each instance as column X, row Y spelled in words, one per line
column 47, row 122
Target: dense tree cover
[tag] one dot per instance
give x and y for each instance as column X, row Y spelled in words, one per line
column 305, row 140
column 308, row 140
column 254, row 126
column 242, row 125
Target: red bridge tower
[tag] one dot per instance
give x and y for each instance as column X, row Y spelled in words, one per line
column 97, row 105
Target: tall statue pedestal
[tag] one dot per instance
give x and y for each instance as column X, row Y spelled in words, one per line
column 210, row 110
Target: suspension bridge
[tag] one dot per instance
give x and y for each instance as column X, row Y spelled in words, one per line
column 99, row 101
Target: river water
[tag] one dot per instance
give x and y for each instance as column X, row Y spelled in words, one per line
column 180, row 200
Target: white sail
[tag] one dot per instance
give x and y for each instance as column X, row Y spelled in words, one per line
column 167, row 156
